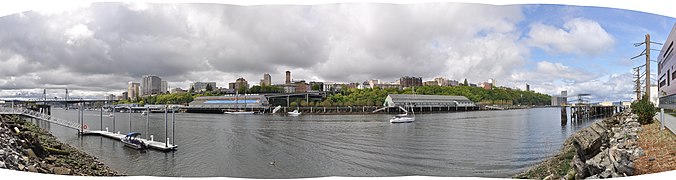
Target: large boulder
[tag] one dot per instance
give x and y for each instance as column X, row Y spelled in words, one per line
column 588, row 141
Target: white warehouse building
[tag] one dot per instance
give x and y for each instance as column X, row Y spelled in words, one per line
column 408, row 100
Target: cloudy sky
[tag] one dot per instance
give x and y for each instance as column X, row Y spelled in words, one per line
column 95, row 49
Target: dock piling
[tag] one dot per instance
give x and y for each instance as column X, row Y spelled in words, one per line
column 130, row 119
column 166, row 132
column 147, row 121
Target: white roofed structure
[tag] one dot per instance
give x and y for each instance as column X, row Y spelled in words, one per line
column 407, row 100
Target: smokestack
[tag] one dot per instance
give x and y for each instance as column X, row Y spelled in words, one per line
column 288, row 77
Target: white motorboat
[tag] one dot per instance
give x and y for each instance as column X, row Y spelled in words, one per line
column 294, row 113
column 110, row 115
column 132, row 140
column 144, row 113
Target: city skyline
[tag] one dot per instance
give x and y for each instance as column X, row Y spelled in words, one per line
column 550, row 47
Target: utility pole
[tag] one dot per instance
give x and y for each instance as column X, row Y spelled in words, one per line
column 638, row 83
column 647, row 65
column 646, row 52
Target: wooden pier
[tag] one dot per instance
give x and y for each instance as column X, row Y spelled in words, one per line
column 162, row 146
column 576, row 114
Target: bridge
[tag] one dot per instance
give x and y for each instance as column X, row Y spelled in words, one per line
column 81, row 128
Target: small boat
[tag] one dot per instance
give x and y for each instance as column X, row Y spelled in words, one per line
column 132, row 140
column 402, row 118
column 294, row 113
column 144, row 113
column 110, row 115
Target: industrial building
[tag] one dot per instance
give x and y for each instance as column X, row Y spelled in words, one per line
column 667, row 72
column 408, row 100
column 228, row 102
column 561, row 100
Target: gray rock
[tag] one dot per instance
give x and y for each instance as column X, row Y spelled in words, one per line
column 50, row 159
column 606, row 173
column 21, row 167
column 62, row 171
column 32, row 169
column 598, row 163
column 2, row 164
column 31, row 154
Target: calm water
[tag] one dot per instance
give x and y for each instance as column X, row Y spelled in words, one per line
column 483, row 144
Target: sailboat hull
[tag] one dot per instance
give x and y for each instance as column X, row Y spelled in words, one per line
column 402, row 120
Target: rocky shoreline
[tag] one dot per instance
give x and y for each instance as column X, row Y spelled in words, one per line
column 605, row 149
column 26, row 147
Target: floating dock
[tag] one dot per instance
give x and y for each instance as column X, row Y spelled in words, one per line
column 152, row 144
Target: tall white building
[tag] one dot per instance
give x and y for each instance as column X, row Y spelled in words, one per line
column 266, row 81
column 151, row 85
column 133, row 90
column 164, row 87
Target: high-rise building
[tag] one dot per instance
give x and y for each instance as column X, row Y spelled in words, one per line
column 527, row 87
column 493, row 82
column 410, row 81
column 267, row 80
column 133, row 90
column 164, row 87
column 151, row 85
column 288, row 77
column 125, row 96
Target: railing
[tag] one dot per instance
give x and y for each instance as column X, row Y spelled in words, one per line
column 39, row 115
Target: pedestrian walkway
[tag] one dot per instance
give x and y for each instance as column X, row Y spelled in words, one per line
column 669, row 122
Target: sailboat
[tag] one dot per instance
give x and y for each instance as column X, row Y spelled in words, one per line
column 239, row 111
column 294, row 113
column 405, row 118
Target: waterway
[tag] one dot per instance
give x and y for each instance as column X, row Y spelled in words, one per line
column 479, row 144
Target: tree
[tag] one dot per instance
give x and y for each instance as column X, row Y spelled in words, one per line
column 644, row 109
column 242, row 89
column 465, row 82
column 316, row 87
column 192, row 90
column 209, row 88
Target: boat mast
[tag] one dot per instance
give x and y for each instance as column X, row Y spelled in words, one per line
column 412, row 109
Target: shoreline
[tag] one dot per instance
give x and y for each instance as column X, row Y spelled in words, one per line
column 605, row 149
column 27, row 147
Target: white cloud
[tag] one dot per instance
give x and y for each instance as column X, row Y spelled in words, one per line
column 577, row 36
column 77, row 33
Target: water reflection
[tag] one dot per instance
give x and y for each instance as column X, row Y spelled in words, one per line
column 485, row 143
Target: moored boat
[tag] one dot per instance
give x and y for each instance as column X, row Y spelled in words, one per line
column 133, row 141
column 294, row 113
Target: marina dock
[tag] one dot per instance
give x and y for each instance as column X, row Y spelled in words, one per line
column 162, row 146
